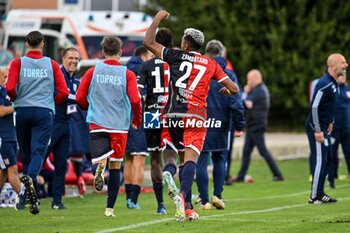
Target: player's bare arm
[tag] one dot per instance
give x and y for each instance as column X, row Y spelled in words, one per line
column 230, row 88
column 149, row 40
column 5, row 110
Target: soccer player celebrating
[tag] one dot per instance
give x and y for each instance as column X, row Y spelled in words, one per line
column 190, row 78
column 154, row 75
column 109, row 91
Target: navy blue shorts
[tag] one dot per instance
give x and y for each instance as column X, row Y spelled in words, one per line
column 137, row 143
column 8, row 154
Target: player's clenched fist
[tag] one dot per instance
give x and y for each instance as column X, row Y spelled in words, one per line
column 162, row 14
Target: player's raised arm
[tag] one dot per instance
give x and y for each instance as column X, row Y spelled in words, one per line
column 149, row 40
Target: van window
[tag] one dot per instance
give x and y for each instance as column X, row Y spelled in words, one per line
column 50, row 48
column 17, row 44
column 5, row 57
column 72, row 39
column 93, row 45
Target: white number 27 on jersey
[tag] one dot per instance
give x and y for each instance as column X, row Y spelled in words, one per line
column 188, row 66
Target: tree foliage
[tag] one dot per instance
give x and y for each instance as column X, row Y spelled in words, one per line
column 289, row 41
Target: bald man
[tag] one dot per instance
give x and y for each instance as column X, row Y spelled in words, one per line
column 257, row 103
column 319, row 125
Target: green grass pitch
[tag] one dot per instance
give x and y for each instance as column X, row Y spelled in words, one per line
column 263, row 206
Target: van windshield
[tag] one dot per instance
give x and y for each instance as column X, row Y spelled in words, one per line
column 5, row 57
column 93, row 47
column 17, row 45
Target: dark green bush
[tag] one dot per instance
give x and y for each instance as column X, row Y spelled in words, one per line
column 289, row 41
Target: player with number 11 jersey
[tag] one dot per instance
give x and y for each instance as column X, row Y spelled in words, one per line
column 157, row 86
column 154, row 74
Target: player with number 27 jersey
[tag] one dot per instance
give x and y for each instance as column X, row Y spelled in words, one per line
column 190, row 78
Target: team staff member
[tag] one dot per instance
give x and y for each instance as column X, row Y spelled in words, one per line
column 31, row 85
column 257, row 103
column 229, row 110
column 341, row 129
column 79, row 129
column 190, row 78
column 8, row 142
column 154, row 75
column 319, row 125
column 60, row 140
column 109, row 91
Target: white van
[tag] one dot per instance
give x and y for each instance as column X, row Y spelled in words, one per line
column 84, row 30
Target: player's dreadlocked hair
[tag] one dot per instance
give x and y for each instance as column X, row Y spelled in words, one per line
column 164, row 37
column 194, row 38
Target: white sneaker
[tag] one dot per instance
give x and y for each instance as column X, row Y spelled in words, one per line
column 198, row 201
column 109, row 212
column 218, row 203
column 172, row 189
column 206, row 206
column 179, row 201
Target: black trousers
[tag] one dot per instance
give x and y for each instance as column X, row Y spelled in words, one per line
column 59, row 146
column 252, row 139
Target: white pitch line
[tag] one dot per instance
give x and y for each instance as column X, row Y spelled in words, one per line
column 279, row 196
column 148, row 223
column 264, row 210
column 143, row 224
column 269, row 197
column 255, row 211
column 137, row 225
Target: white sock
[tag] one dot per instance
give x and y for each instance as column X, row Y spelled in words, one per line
column 23, row 188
